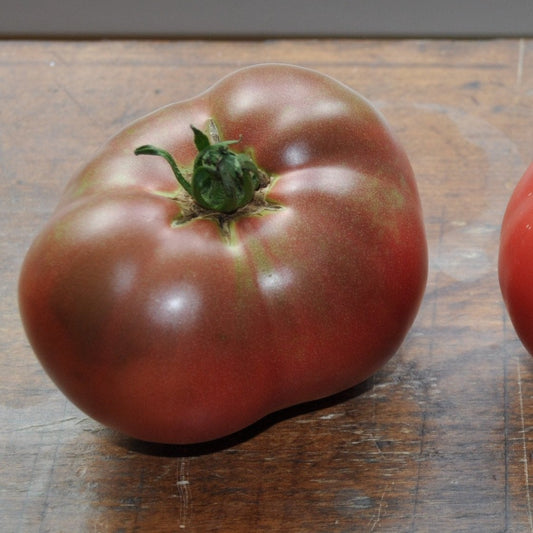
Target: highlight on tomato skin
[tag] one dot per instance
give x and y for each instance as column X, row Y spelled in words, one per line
column 515, row 260
column 272, row 253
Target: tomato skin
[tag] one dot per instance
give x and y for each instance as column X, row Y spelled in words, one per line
column 180, row 334
column 515, row 261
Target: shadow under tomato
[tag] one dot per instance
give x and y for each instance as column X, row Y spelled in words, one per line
column 204, row 448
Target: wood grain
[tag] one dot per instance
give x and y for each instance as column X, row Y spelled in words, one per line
column 439, row 440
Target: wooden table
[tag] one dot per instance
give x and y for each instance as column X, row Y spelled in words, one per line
column 440, row 440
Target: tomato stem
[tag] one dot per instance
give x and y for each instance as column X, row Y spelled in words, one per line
column 148, row 149
column 222, row 180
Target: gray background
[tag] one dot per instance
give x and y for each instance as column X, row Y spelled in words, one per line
column 265, row 18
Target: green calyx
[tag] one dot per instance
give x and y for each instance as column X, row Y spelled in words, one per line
column 222, row 180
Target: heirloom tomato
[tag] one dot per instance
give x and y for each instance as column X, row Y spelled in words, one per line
column 515, row 263
column 274, row 254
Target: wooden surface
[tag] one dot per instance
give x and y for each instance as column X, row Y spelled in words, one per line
column 439, row 440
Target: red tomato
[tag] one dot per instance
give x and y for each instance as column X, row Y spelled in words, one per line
column 174, row 322
column 515, row 265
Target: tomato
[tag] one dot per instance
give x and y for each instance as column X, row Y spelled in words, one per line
column 515, row 262
column 173, row 320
